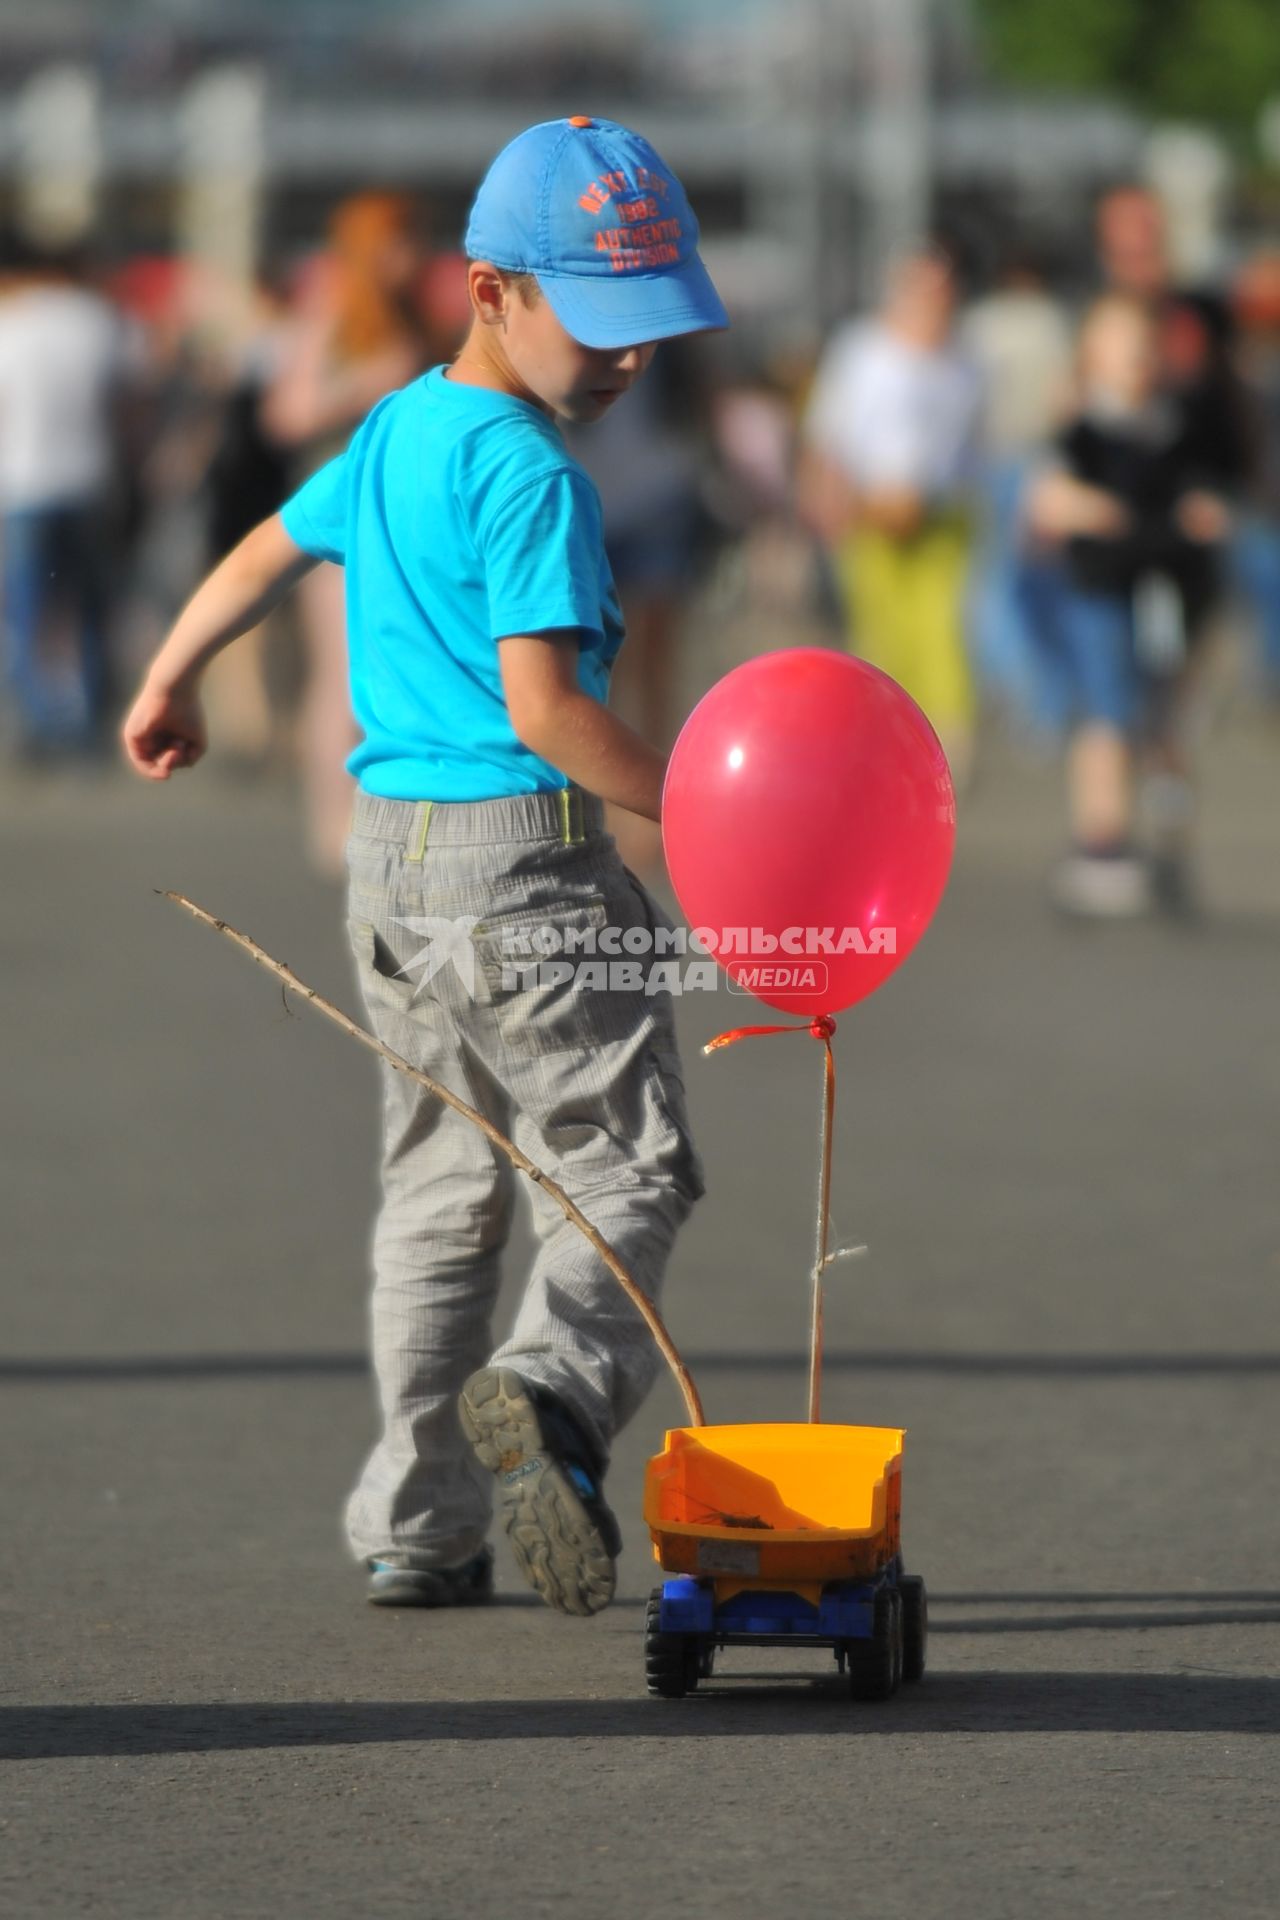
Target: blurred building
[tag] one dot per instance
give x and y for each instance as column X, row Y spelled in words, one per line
column 813, row 134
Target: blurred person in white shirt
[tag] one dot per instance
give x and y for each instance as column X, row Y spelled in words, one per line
column 64, row 355
column 892, row 439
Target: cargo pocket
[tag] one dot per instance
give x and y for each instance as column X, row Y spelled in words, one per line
column 381, row 983
column 547, row 982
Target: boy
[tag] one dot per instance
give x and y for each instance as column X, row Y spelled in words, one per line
column 482, row 627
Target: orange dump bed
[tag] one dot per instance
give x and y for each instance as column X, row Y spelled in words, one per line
column 776, row 1505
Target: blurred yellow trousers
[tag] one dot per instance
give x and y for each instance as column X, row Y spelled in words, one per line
column 904, row 612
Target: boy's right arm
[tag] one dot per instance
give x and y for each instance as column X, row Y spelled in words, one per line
column 165, row 728
column 560, row 723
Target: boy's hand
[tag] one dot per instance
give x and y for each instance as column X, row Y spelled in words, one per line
column 165, row 730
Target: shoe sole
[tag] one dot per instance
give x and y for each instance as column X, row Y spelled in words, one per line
column 558, row 1546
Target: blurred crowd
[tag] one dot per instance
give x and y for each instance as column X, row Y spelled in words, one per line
column 1010, row 500
column 148, row 419
column 1055, row 507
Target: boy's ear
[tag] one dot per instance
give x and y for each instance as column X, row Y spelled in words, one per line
column 487, row 294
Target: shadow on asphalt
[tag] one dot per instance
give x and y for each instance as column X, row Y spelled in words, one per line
column 1008, row 1597
column 194, row 1366
column 1108, row 1612
column 947, row 1703
column 275, row 1366
column 1031, row 1365
column 1104, row 1622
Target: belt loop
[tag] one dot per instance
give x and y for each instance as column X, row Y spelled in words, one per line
column 420, row 838
column 572, row 831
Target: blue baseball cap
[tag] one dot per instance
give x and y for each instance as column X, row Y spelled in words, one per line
column 593, row 212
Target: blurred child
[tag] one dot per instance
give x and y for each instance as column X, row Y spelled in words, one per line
column 1138, row 533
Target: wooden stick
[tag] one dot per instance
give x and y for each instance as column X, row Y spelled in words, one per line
column 822, row 1260
column 639, row 1300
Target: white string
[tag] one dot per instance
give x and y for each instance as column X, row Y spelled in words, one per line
column 844, row 1253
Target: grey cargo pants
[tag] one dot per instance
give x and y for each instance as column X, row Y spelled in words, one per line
column 446, row 907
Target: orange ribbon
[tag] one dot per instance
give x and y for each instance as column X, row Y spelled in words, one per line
column 822, row 1026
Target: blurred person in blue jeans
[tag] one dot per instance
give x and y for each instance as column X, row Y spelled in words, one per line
column 1126, row 504
column 64, row 357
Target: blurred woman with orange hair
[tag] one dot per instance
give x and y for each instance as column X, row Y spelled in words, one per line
column 357, row 335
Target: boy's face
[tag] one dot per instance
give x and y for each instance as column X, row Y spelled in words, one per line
column 578, row 383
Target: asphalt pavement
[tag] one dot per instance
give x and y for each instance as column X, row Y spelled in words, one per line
column 1060, row 1144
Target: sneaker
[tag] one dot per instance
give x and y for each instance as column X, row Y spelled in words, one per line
column 564, row 1537
column 1102, row 886
column 392, row 1583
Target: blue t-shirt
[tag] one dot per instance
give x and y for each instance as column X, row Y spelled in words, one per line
column 461, row 519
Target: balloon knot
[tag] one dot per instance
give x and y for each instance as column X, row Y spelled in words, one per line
column 822, row 1027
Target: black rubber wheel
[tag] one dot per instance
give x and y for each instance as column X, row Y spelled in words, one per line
column 897, row 1640
column 670, row 1659
column 915, row 1626
column 875, row 1665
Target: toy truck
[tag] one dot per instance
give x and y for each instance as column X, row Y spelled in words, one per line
column 781, row 1536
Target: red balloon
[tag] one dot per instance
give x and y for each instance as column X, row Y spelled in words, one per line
column 808, row 818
